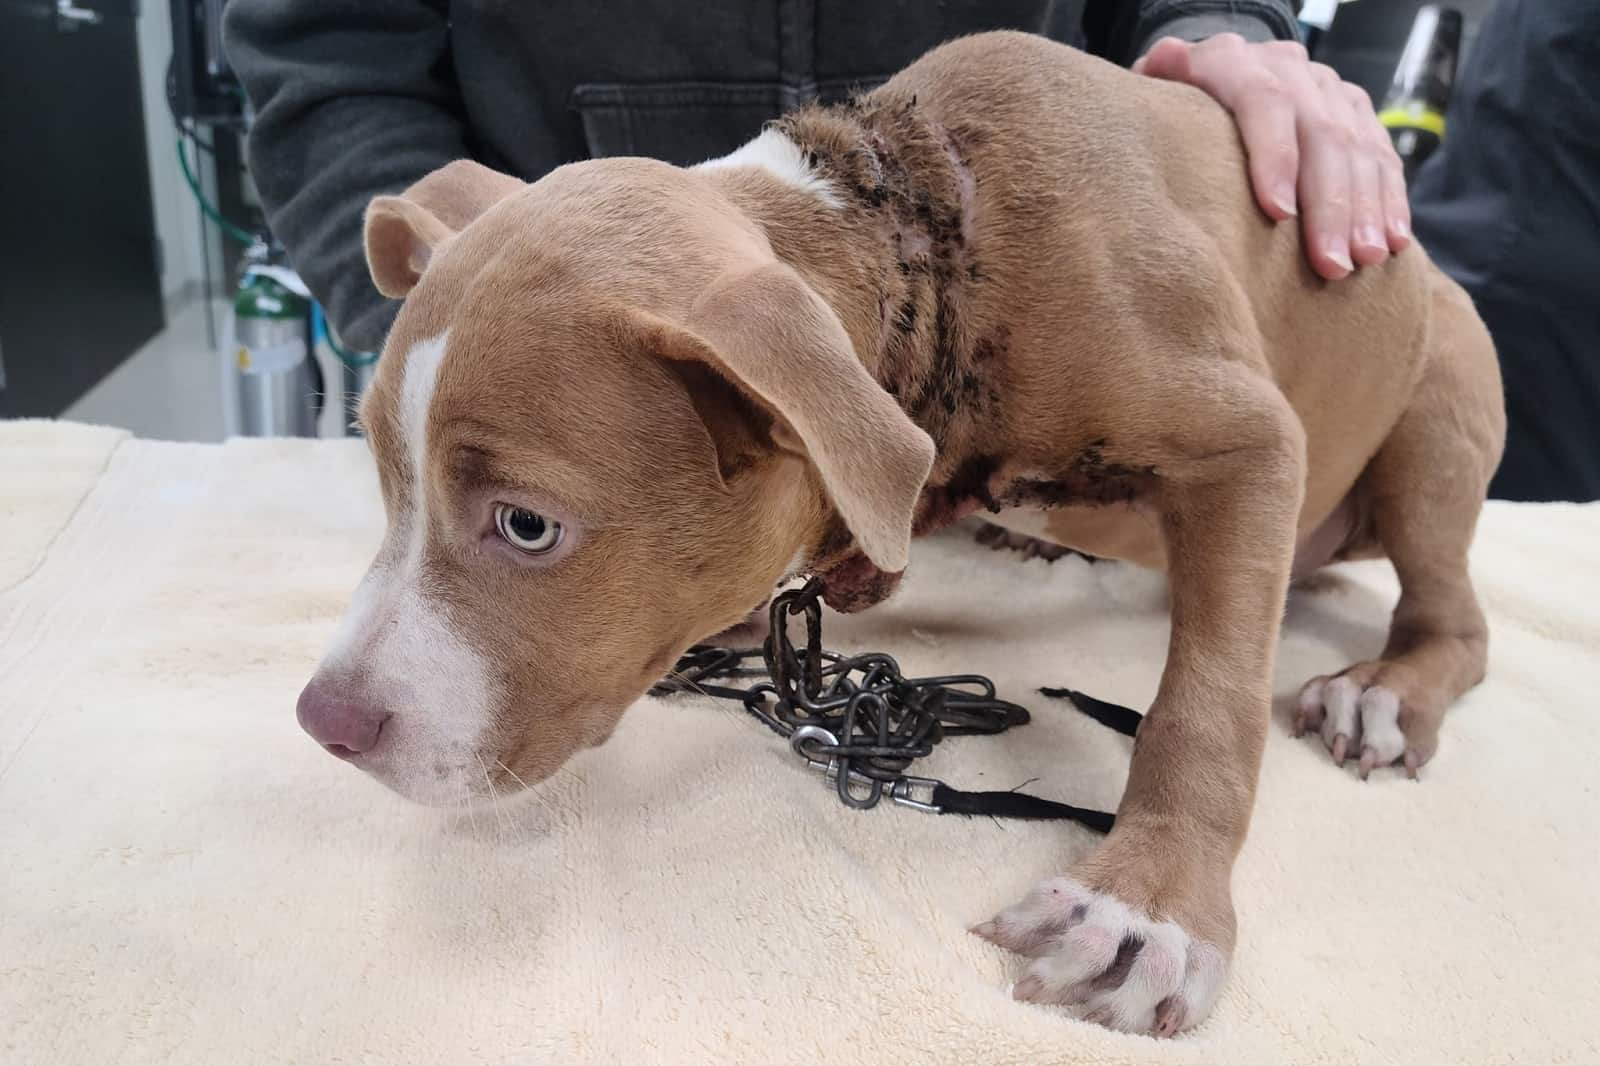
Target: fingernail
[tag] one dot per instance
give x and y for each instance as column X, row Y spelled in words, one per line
column 1341, row 258
column 1369, row 237
column 1401, row 228
column 1283, row 200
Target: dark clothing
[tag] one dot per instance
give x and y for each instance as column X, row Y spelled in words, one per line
column 355, row 98
column 1510, row 208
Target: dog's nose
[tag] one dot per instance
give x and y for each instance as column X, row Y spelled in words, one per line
column 346, row 727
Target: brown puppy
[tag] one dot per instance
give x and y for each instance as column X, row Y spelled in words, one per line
column 621, row 403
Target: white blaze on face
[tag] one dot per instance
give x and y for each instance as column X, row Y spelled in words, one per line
column 397, row 644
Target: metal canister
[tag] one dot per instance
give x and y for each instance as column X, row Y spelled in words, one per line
column 1414, row 109
column 278, row 394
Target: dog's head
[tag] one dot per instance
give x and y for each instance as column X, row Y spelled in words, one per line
column 607, row 420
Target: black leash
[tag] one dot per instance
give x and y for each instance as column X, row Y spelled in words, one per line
column 862, row 722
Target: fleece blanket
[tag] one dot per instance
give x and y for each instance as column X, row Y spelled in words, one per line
column 185, row 878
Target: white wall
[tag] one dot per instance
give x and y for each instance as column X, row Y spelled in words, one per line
column 177, row 218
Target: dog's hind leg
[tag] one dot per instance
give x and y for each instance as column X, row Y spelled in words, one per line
column 1423, row 492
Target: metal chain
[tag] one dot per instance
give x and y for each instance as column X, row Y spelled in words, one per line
column 856, row 718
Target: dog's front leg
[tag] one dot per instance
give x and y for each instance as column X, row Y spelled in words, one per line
column 1138, row 936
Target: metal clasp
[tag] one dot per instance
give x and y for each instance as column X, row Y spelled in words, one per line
column 906, row 791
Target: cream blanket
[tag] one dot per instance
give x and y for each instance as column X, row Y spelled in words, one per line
column 186, row 878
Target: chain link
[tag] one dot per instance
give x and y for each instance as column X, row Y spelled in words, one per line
column 856, row 718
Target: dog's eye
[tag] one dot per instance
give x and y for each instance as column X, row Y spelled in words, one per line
column 526, row 531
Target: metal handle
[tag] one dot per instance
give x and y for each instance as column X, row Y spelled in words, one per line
column 69, row 16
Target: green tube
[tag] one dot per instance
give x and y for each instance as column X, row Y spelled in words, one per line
column 238, row 234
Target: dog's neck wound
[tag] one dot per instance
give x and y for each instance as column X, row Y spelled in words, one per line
column 850, row 581
column 855, row 583
column 910, row 194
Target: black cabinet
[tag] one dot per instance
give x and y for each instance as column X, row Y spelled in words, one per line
column 80, row 283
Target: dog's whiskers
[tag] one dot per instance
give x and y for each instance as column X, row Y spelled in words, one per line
column 570, row 772
column 683, row 679
column 472, row 819
column 693, row 687
column 504, row 829
column 545, row 803
column 512, row 773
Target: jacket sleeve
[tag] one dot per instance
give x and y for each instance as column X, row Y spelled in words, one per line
column 353, row 98
column 1123, row 30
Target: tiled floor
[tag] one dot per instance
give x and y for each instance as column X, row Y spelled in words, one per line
column 172, row 388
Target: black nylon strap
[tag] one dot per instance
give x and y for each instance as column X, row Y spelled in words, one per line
column 1016, row 805
column 1124, row 720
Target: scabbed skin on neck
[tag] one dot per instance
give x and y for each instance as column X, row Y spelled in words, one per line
column 910, row 197
column 851, row 582
column 855, row 583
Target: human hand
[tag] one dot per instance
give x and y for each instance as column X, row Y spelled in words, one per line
column 1314, row 145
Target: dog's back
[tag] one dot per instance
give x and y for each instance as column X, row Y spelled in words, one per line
column 1110, row 205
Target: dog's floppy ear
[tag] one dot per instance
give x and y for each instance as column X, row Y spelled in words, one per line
column 403, row 232
column 768, row 332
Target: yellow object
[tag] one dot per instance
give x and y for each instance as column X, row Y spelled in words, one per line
column 1416, row 115
column 244, row 358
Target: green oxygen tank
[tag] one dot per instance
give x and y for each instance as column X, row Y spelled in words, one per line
column 274, row 374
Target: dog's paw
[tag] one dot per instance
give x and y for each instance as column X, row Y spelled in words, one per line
column 1363, row 714
column 1110, row 963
